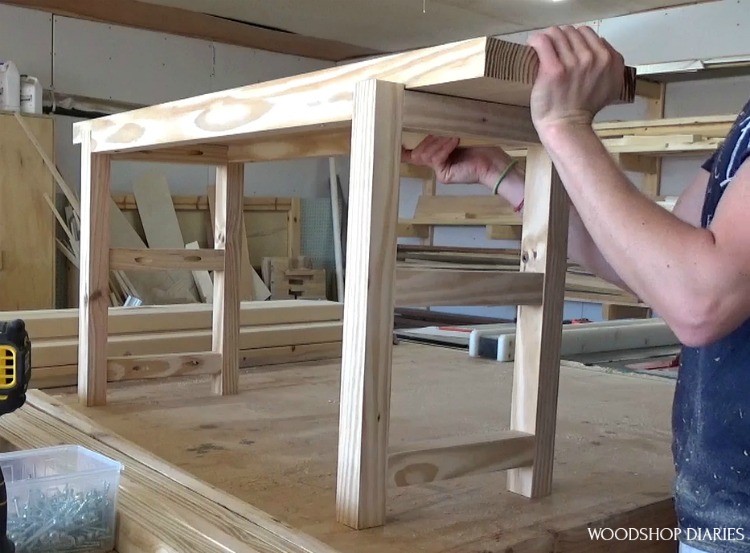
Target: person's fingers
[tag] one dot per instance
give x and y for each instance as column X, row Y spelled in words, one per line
column 582, row 51
column 562, row 45
column 430, row 154
column 616, row 55
column 441, row 154
column 405, row 155
column 418, row 153
column 595, row 42
column 545, row 49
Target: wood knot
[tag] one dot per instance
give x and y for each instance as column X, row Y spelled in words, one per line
column 416, row 473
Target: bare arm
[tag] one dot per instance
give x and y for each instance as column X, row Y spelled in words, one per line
column 583, row 250
column 690, row 203
column 697, row 279
column 485, row 165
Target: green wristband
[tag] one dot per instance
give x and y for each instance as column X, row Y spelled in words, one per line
column 504, row 175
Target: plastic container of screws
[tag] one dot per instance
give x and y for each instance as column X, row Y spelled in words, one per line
column 61, row 499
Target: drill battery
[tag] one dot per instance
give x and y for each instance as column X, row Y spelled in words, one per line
column 15, row 365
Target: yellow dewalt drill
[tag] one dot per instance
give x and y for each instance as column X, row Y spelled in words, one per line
column 15, row 373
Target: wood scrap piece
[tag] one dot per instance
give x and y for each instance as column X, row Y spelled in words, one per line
column 336, row 220
column 63, row 224
column 294, row 278
column 202, row 279
column 69, row 194
column 152, row 287
column 69, row 255
column 464, row 210
column 45, row 324
column 407, row 230
column 252, row 287
column 161, row 227
column 293, row 224
column 504, row 232
column 268, row 235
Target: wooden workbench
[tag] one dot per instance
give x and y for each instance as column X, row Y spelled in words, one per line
column 274, row 446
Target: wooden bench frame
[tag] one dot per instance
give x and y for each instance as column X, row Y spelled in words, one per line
column 475, row 89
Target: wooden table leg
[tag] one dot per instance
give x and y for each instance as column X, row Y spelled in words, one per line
column 368, row 306
column 230, row 184
column 94, row 276
column 537, row 365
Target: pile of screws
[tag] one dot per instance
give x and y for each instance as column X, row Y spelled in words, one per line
column 63, row 520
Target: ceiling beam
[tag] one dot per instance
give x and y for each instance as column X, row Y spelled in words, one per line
column 177, row 21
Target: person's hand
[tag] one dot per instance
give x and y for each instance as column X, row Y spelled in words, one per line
column 456, row 165
column 579, row 74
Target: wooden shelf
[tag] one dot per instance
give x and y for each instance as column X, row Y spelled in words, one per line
column 695, row 69
column 662, row 137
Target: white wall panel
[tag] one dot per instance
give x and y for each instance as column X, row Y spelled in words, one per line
column 26, row 38
column 235, row 66
column 130, row 65
column 714, row 29
column 707, row 97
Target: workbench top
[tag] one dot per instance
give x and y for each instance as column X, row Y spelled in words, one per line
column 274, row 445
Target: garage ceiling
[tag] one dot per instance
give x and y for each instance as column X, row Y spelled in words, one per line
column 390, row 25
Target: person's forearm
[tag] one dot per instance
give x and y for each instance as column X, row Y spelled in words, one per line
column 581, row 247
column 661, row 258
column 583, row 250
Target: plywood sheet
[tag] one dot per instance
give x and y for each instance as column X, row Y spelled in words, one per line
column 284, row 460
column 160, row 223
column 154, row 288
column 27, row 246
column 267, row 235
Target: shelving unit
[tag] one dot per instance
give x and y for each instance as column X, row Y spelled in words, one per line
column 638, row 146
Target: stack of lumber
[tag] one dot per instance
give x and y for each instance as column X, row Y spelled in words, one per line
column 160, row 507
column 580, row 285
column 270, row 333
column 660, row 137
column 666, row 135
